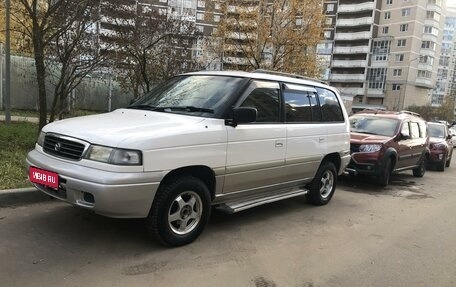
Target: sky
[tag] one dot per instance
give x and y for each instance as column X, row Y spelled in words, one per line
column 451, row 3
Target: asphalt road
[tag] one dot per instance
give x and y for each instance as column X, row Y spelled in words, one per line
column 403, row 235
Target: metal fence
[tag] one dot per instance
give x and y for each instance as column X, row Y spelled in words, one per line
column 91, row 94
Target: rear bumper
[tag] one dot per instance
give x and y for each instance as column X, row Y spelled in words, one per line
column 113, row 194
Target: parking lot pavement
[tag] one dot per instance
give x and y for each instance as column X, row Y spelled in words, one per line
column 402, row 235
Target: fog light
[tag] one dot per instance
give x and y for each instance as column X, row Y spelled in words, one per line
column 440, row 156
column 88, row 197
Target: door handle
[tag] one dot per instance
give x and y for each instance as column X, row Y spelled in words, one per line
column 321, row 140
column 279, row 144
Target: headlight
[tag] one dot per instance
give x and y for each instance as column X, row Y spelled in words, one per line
column 40, row 140
column 370, row 147
column 114, row 155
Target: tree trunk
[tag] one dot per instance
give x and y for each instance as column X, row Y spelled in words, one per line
column 40, row 75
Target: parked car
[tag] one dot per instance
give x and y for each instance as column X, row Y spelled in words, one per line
column 452, row 132
column 233, row 140
column 441, row 146
column 383, row 142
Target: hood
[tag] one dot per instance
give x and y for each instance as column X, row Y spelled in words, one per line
column 433, row 140
column 111, row 129
column 361, row 138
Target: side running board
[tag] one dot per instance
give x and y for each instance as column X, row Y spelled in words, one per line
column 235, row 206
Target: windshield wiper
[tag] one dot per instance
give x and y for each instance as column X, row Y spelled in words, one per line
column 190, row 109
column 143, row 107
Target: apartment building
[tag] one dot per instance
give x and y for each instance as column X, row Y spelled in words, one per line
column 386, row 52
column 446, row 77
column 325, row 47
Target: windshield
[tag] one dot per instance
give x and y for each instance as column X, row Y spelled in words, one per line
column 436, row 131
column 198, row 95
column 373, row 125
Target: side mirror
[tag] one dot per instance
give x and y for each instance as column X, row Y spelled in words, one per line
column 243, row 115
column 403, row 136
column 449, row 136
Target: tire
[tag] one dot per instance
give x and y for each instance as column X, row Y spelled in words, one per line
column 322, row 187
column 441, row 165
column 383, row 179
column 448, row 162
column 180, row 211
column 420, row 170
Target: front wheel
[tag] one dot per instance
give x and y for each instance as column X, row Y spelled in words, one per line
column 384, row 177
column 322, row 187
column 441, row 165
column 180, row 211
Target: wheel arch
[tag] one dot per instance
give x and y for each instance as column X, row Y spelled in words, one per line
column 334, row 158
column 202, row 172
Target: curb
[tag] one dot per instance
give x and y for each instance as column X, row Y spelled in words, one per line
column 21, row 196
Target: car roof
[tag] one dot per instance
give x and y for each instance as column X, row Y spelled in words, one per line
column 269, row 76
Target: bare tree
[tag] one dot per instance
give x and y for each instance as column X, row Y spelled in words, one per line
column 73, row 55
column 43, row 21
column 153, row 46
column 279, row 35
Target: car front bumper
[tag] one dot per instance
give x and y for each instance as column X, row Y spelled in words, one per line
column 113, row 194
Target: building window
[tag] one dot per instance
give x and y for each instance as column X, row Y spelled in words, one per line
column 427, row 60
column 397, row 72
column 399, row 57
column 328, row 21
column 380, row 50
column 299, row 21
column 201, row 3
column 424, row 74
column 401, row 42
column 389, row 2
column 428, row 45
column 387, row 15
column 329, row 7
column 432, row 15
column 216, row 18
column 376, row 78
column 200, row 16
column 200, row 28
column 385, row 30
column 428, row 29
column 327, row 34
column 217, row 6
column 396, row 87
column 403, row 27
column 405, row 12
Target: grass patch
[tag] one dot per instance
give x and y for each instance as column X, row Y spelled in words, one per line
column 16, row 140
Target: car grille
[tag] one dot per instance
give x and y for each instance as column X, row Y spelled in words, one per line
column 63, row 147
column 354, row 148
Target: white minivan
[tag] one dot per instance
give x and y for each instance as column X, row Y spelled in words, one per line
column 230, row 140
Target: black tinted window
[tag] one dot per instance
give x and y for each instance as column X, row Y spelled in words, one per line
column 330, row 107
column 301, row 106
column 267, row 103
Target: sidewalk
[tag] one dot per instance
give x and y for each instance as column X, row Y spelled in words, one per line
column 21, row 119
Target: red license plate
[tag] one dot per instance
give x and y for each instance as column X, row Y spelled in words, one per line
column 44, row 177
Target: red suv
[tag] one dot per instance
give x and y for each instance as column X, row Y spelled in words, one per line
column 440, row 145
column 384, row 142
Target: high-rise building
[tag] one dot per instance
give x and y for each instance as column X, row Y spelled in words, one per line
column 386, row 52
column 446, row 77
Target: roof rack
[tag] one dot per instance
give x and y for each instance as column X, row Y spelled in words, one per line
column 410, row 113
column 296, row 76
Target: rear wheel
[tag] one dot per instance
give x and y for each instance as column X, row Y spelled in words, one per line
column 180, row 211
column 322, row 187
column 420, row 170
column 384, row 177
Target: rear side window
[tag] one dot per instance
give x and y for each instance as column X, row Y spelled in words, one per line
column 331, row 110
column 405, row 129
column 414, row 130
column 301, row 106
column 423, row 129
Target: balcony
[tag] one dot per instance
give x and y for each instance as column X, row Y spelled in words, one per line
column 375, row 93
column 349, row 63
column 427, row 52
column 434, row 7
column 430, row 37
column 351, row 50
column 351, row 91
column 424, row 82
column 353, row 36
column 350, row 8
column 354, row 22
column 424, row 66
column 347, row 77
